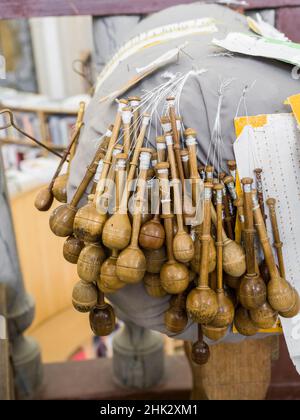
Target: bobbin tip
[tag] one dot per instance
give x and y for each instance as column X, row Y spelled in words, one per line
column 190, row 132
column 271, row 201
column 228, row 180
column 247, row 181
column 162, row 165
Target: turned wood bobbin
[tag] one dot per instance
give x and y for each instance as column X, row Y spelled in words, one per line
column 280, row 293
column 225, row 314
column 102, row 318
column 84, row 296
column 131, row 264
column 202, row 304
column 153, row 285
column 252, row 291
column 174, row 275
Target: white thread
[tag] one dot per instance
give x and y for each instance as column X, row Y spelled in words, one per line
column 121, row 106
column 207, row 194
column 134, row 103
column 116, row 152
column 163, row 171
column 185, row 158
column 154, row 163
column 171, row 102
column 169, row 140
column 161, row 146
column 146, row 120
column 166, row 127
column 165, row 200
column 145, row 158
column 178, row 124
column 247, row 188
column 108, row 133
column 126, row 117
column 121, row 164
column 99, row 171
column 190, row 141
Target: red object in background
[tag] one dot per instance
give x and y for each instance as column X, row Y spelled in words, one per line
column 288, row 21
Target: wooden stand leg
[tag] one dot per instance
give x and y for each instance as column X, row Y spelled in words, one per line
column 25, row 353
column 138, row 357
column 240, row 371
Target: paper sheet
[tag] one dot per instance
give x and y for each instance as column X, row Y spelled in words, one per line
column 272, row 142
column 285, row 51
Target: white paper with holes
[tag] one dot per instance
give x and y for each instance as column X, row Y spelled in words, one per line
column 275, row 148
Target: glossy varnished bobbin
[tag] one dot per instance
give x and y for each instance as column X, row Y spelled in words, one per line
column 280, row 293
column 131, row 264
column 252, row 291
column 225, row 314
column 84, row 296
column 202, row 304
column 175, row 317
column 200, row 350
column 89, row 262
column 102, row 318
column 44, row 199
column 234, row 260
column 72, row 249
column 174, row 275
column 153, row 285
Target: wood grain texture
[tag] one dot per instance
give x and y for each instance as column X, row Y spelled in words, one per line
column 15, row 9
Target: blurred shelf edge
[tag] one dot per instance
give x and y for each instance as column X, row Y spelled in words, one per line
column 28, row 143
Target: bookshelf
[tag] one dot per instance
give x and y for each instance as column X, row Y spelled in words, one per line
column 40, row 128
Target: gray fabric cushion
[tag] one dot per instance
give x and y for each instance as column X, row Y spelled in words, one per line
column 198, row 107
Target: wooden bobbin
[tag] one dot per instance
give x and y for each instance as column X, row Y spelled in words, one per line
column 108, row 281
column 45, row 197
column 232, row 168
column 202, row 304
column 200, row 350
column 135, row 104
column 175, row 127
column 117, row 230
column 153, row 286
column 229, row 182
column 60, row 184
column 131, row 264
column 224, row 317
column 183, row 245
column 278, row 245
column 280, row 293
column 62, row 219
column 155, row 259
column 260, row 191
column 252, row 291
column 84, row 296
column 161, row 149
column 244, row 323
column 102, row 318
column 174, row 275
column 175, row 317
column 72, row 249
column 126, row 120
column 234, row 260
column 191, row 144
column 185, row 163
column 239, row 204
column 89, row 262
column 196, row 261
